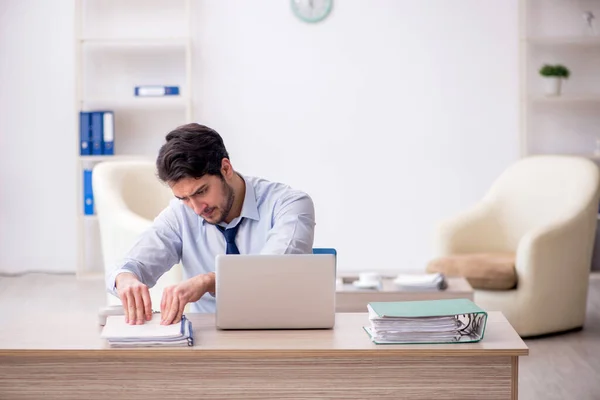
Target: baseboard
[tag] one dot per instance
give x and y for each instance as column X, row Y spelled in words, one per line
column 5, row 274
column 552, row 334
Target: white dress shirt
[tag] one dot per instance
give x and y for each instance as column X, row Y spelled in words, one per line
column 276, row 220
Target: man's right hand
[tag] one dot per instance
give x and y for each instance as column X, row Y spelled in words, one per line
column 135, row 298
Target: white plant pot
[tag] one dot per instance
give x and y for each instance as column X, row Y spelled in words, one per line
column 553, row 86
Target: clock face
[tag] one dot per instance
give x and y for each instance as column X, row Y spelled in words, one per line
column 312, row 10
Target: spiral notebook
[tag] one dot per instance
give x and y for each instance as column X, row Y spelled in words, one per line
column 429, row 321
column 118, row 333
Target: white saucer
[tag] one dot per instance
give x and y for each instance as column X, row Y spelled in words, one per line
column 366, row 285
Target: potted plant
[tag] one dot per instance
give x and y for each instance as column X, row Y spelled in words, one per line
column 554, row 75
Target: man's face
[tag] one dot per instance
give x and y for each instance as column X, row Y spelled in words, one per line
column 210, row 196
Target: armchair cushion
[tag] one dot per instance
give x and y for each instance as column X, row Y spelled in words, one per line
column 489, row 271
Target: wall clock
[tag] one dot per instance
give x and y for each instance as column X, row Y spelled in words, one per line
column 312, row 10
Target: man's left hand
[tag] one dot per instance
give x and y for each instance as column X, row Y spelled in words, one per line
column 176, row 297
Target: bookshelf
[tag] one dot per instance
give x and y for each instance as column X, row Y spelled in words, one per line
column 567, row 98
column 557, row 32
column 142, row 102
column 133, row 42
column 120, row 45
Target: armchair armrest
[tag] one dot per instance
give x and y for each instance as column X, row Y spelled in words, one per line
column 557, row 256
column 553, row 264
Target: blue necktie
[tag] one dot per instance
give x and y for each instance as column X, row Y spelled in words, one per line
column 230, row 238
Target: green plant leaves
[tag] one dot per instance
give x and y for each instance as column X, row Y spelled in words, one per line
column 557, row 70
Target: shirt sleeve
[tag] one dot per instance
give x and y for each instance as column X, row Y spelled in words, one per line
column 293, row 224
column 155, row 251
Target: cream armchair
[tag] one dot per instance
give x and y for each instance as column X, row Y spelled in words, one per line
column 128, row 197
column 544, row 210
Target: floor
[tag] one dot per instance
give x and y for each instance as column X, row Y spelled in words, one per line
column 561, row 367
column 566, row 366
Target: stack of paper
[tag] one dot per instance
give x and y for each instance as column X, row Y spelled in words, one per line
column 421, row 282
column 430, row 321
column 150, row 334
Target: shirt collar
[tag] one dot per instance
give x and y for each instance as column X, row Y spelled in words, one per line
column 249, row 207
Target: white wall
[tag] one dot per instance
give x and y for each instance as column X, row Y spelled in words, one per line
column 37, row 161
column 391, row 114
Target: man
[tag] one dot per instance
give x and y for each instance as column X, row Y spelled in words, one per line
column 216, row 211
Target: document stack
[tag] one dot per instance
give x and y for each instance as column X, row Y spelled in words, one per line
column 421, row 282
column 430, row 321
column 151, row 334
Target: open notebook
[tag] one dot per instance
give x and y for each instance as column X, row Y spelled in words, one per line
column 429, row 321
column 420, row 282
column 151, row 334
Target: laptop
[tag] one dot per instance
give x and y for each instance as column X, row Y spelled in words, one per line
column 293, row 291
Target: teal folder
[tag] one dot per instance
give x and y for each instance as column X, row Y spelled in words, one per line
column 430, row 321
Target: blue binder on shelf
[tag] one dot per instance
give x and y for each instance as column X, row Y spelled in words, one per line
column 88, row 194
column 85, row 136
column 97, row 132
column 150, row 91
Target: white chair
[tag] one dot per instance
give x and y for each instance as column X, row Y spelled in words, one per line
column 543, row 209
column 128, row 196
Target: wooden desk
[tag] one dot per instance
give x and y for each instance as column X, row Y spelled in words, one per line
column 351, row 299
column 51, row 362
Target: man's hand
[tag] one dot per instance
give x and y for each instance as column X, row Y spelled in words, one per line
column 176, row 297
column 135, row 298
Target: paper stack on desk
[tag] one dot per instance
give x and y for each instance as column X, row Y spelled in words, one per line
column 150, row 334
column 417, row 282
column 429, row 321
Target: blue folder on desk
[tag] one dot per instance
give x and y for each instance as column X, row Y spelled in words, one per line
column 429, row 321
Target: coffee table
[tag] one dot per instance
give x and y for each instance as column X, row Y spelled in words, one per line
column 352, row 299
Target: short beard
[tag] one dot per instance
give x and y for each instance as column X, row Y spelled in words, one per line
column 229, row 198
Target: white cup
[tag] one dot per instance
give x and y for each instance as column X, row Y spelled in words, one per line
column 369, row 277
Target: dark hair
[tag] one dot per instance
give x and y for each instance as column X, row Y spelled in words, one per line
column 191, row 151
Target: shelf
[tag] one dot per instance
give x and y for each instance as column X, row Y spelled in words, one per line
column 125, row 157
column 568, row 98
column 589, row 156
column 565, row 40
column 136, row 42
column 136, row 102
